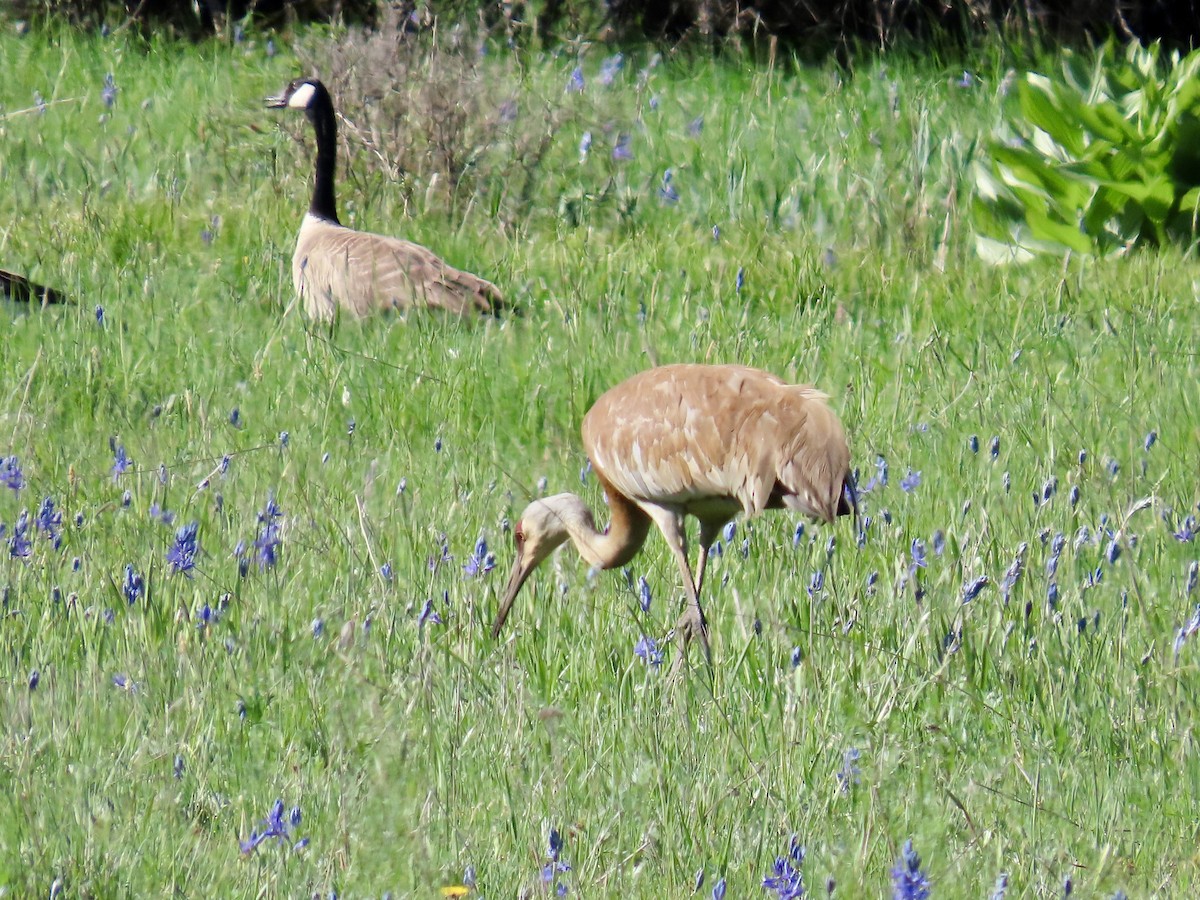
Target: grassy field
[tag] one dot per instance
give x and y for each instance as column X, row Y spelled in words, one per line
column 332, row 652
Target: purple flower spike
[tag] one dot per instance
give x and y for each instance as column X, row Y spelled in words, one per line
column 182, row 554
column 908, row 881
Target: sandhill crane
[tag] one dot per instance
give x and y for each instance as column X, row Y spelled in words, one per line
column 709, row 441
column 359, row 272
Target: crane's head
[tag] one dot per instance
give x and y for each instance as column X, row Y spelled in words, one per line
column 542, row 528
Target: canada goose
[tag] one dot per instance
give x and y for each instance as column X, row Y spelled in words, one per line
column 19, row 288
column 335, row 266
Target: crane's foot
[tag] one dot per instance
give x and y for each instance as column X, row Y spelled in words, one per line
column 690, row 625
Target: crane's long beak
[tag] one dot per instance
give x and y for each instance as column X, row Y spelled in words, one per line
column 516, row 579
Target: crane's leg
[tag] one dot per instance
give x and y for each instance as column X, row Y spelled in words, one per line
column 708, row 536
column 692, row 623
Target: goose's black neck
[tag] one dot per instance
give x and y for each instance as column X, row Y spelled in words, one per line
column 320, row 113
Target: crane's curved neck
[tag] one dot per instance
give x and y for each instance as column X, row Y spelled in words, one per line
column 321, row 114
column 619, row 542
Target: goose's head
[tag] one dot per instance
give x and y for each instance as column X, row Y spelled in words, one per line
column 303, row 93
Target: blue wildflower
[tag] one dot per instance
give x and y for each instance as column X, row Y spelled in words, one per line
column 848, row 774
column 109, row 93
column 816, row 583
column 284, row 440
column 1074, row 495
column 266, row 544
column 235, row 417
column 666, row 191
column 908, row 881
column 182, row 553
column 134, row 585
column 40, row 102
column 994, row 448
column 123, row 681
column 798, row 534
column 576, row 84
column 1187, row 530
column 556, row 864
column 918, row 555
column 797, row 657
column 99, row 314
column 910, row 482
column 1193, row 576
column 270, row 47
column 428, row 616
column 386, row 571
column 739, row 280
column 609, row 69
column 1014, row 572
column 786, row 879
column 971, row 591
column 163, row 515
column 49, row 521
column 1001, row 887
column 121, row 461
column 1049, row 488
column 718, row 891
column 1113, row 552
column 939, row 542
column 644, row 593
column 646, row 649
column 11, row 475
column 696, row 126
column 966, row 81
column 1113, row 467
column 276, row 825
column 480, row 562
column 585, row 144
column 318, row 627
column 879, row 479
column 19, row 545
column 207, row 617
column 1052, row 595
column 446, row 556
column 179, row 767
column 34, row 677
column 973, row 443
column 623, row 149
column 1150, row 440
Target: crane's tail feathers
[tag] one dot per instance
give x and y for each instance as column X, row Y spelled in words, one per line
column 849, row 501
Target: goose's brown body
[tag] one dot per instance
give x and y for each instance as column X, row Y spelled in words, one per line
column 338, row 268
column 363, row 273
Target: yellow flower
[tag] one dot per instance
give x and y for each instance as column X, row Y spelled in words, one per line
column 455, row 890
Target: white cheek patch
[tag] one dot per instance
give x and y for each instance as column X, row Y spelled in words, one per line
column 302, row 97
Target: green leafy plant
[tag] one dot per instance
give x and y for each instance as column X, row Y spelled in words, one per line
column 1102, row 159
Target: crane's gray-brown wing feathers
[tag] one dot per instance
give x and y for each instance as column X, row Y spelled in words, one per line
column 697, row 436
